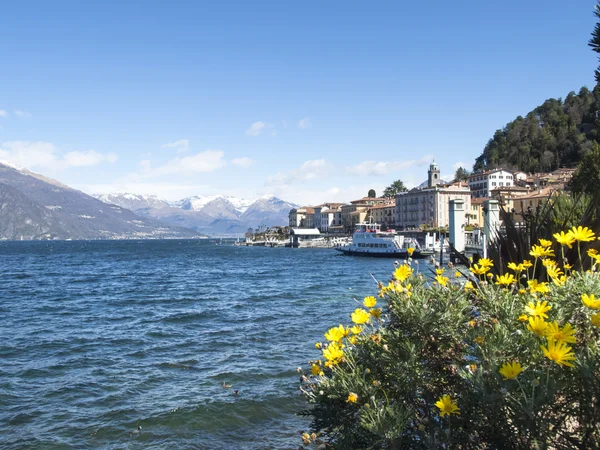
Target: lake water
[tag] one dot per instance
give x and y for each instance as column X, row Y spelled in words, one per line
column 97, row 338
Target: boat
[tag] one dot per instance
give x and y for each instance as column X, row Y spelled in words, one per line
column 369, row 240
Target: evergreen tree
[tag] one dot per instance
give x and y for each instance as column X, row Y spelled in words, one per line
column 461, row 174
column 372, row 193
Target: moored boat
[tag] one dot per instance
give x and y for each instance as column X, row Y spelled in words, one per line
column 369, row 240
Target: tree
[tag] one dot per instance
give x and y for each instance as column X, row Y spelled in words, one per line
column 371, row 193
column 594, row 42
column 461, row 174
column 586, row 179
column 395, row 188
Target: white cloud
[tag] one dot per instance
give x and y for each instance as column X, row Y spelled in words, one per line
column 258, row 127
column 182, row 145
column 367, row 168
column 304, row 123
column 242, row 162
column 3, row 113
column 310, row 170
column 87, row 158
column 45, row 155
column 206, row 161
column 23, row 114
column 458, row 164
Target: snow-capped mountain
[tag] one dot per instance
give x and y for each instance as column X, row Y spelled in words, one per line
column 132, row 201
column 216, row 214
column 198, row 202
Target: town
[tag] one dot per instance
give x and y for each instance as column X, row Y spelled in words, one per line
column 426, row 208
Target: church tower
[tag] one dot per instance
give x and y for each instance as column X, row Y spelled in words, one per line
column 433, row 173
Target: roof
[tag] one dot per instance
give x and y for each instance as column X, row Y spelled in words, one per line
column 305, row 231
column 487, row 172
column 383, row 206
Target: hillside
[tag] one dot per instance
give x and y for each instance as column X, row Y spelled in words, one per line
column 555, row 134
column 35, row 207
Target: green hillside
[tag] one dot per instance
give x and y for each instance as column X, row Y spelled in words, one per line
column 556, row 134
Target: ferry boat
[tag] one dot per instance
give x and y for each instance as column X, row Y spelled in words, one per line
column 369, row 240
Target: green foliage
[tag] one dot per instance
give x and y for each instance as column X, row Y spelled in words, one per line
column 556, row 134
column 461, row 174
column 372, row 193
column 455, row 338
column 586, row 179
column 595, row 40
column 395, row 188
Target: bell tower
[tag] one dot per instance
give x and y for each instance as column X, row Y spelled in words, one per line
column 433, row 178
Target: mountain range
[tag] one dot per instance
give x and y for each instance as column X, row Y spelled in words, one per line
column 218, row 215
column 35, row 207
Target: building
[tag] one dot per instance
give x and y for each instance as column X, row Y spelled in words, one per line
column 482, row 183
column 302, row 217
column 383, row 214
column 356, row 211
column 430, row 206
column 330, row 217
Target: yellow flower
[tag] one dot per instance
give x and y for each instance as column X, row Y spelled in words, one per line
column 582, row 234
column 554, row 272
column 539, row 309
column 592, row 252
column 336, row 334
column 527, row 264
column 510, row 371
column 447, row 406
column 559, row 352
column 590, row 301
column 410, row 251
column 315, row 369
column 403, row 272
column 596, row 319
column 537, row 326
column 439, row 271
column 360, row 316
column 564, row 238
column 353, row 339
column 534, row 286
column 522, row 292
column 352, row 398
column 375, row 312
column 567, row 266
column 537, row 251
column 490, row 275
column 443, row 281
column 479, row 270
column 471, row 323
column 333, row 354
column 370, row 301
column 560, row 281
column 317, row 344
column 561, row 335
column 517, row 268
column 545, row 243
column 469, row 286
column 356, row 329
column 506, row 280
column 480, row 340
column 523, row 318
column 486, row 262
column 548, row 263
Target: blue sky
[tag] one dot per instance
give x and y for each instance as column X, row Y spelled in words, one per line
column 310, row 101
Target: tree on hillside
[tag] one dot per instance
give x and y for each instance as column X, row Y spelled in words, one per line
column 395, row 188
column 595, row 40
column 371, row 193
column 461, row 174
column 586, row 179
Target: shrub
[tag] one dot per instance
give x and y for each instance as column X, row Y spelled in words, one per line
column 466, row 360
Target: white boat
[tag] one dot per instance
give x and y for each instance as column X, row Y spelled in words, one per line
column 369, row 240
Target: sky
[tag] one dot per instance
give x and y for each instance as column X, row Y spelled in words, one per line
column 310, row 101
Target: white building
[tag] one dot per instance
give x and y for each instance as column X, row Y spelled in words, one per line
column 482, row 183
column 430, row 206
